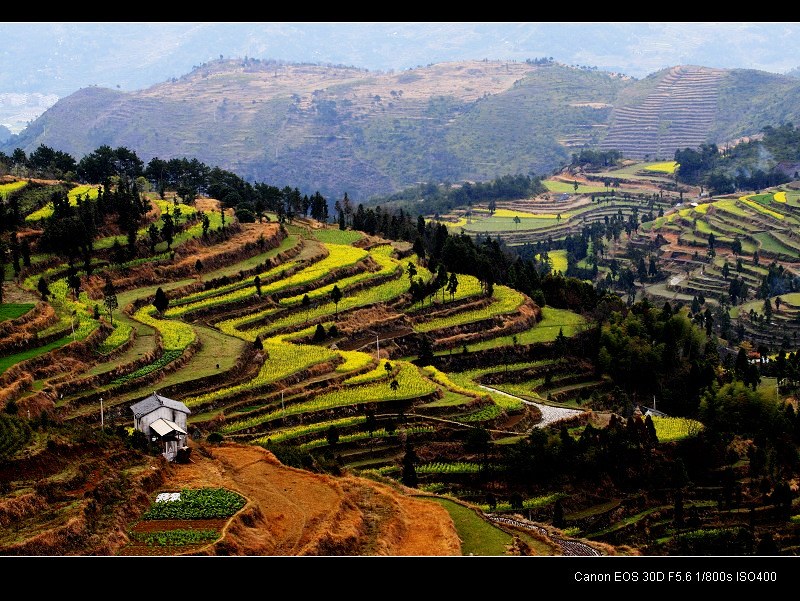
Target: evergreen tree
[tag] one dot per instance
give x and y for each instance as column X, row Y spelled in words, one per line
column 371, row 423
column 73, row 281
column 558, row 514
column 43, row 288
column 154, row 235
column 409, row 474
column 167, row 229
column 110, row 298
column 161, row 302
column 336, row 297
column 452, row 285
column 425, row 351
column 332, row 435
column 319, row 333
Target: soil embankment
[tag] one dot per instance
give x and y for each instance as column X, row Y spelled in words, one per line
column 296, row 512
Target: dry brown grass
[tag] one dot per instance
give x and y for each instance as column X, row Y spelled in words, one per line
column 295, row 512
column 465, row 80
column 242, row 244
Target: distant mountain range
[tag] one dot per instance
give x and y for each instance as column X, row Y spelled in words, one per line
column 337, row 129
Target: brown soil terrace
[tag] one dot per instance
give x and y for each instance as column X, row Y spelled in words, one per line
column 294, row 512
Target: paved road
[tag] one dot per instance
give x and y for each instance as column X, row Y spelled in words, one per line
column 550, row 414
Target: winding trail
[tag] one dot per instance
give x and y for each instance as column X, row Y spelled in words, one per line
column 550, row 414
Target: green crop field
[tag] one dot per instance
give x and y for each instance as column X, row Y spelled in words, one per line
column 478, row 537
column 772, row 244
column 507, row 224
column 761, row 209
column 505, row 299
column 559, row 186
column 14, row 310
column 11, row 360
column 336, row 236
column 546, row 330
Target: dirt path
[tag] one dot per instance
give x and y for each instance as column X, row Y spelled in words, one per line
column 568, row 546
column 296, row 512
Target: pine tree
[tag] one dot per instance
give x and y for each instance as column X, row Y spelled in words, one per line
column 332, row 435
column 336, row 296
column 558, row 514
column 161, row 302
column 409, row 474
column 452, row 285
column 43, row 288
column 426, row 351
column 73, row 281
column 110, row 298
column 319, row 333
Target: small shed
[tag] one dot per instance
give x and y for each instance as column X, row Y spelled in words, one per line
column 162, row 420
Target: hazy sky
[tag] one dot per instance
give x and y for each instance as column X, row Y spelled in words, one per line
column 62, row 56
column 42, row 61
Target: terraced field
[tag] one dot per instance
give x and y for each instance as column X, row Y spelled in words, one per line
column 262, row 352
column 765, row 227
column 678, row 114
column 551, row 218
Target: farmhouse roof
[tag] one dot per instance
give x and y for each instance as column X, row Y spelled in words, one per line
column 162, row 427
column 155, row 401
column 652, row 412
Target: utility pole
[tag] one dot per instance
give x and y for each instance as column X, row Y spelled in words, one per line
column 102, row 423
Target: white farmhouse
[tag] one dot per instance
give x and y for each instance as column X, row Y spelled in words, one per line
column 162, row 420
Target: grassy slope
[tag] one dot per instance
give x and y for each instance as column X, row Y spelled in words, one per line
column 749, row 100
column 478, row 537
column 490, row 142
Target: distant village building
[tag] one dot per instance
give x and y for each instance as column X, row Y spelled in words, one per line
column 163, row 421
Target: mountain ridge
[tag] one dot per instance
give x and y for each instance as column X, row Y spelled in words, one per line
column 343, row 129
